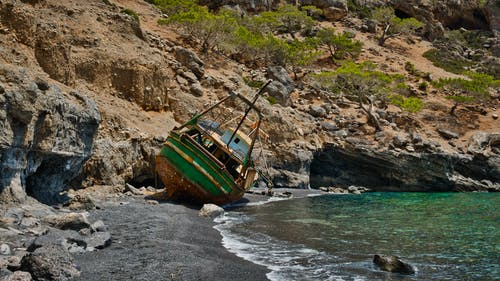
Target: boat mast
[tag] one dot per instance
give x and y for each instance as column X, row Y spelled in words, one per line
column 250, row 106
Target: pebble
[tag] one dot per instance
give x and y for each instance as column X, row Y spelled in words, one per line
column 5, row 250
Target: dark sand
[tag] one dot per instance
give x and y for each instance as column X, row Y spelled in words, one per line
column 167, row 241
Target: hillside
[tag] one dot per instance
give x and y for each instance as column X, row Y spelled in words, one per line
column 143, row 78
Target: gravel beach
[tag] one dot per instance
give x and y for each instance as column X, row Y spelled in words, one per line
column 166, row 241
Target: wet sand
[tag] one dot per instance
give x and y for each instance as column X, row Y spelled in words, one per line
column 168, row 241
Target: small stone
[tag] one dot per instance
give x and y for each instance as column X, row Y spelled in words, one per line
column 42, row 84
column 98, row 226
column 495, row 116
column 211, row 210
column 5, row 250
column 152, row 202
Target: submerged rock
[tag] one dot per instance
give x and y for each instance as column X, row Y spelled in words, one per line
column 392, row 264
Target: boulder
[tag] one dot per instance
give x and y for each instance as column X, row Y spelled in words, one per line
column 190, row 60
column 196, row 89
column 317, row 111
column 282, row 85
column 334, row 13
column 21, row 276
column 392, row 264
column 278, row 91
column 211, row 210
column 447, row 134
column 50, row 238
column 98, row 240
column 73, row 221
column 51, row 262
column 278, row 73
column 481, row 141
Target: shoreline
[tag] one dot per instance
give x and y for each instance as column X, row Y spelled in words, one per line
column 170, row 241
column 167, row 241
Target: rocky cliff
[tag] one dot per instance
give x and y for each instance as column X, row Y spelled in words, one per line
column 88, row 93
column 47, row 133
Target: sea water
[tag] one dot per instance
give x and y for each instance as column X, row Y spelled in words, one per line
column 444, row 236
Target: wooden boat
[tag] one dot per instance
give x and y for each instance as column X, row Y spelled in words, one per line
column 209, row 158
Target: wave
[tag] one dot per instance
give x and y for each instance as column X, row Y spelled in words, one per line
column 286, row 261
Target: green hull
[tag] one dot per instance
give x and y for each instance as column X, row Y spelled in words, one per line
column 189, row 172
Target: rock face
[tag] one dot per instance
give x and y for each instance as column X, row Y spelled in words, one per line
column 392, row 264
column 46, row 136
column 393, row 171
column 281, row 86
column 437, row 15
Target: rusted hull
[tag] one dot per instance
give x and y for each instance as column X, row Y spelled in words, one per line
column 179, row 187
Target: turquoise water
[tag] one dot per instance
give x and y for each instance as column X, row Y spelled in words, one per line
column 446, row 236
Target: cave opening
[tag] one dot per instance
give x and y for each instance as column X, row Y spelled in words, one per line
column 475, row 20
column 145, row 181
column 402, row 14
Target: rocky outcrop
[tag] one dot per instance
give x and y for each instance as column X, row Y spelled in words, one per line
column 389, row 170
column 71, row 56
column 47, row 134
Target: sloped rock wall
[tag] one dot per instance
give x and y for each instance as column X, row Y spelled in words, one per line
column 47, row 134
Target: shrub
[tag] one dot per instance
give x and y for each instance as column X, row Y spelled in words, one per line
column 131, row 13
column 423, row 86
column 410, row 104
column 340, row 46
column 392, row 26
column 272, row 100
column 442, row 59
column 253, row 83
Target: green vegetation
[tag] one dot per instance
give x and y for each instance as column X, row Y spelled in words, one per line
column 362, row 11
column 392, row 26
column 363, row 84
column 272, row 100
column 340, row 46
column 474, row 89
column 253, row 83
column 448, row 62
column 131, row 13
column 423, row 86
column 288, row 19
column 410, row 104
column 463, row 50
